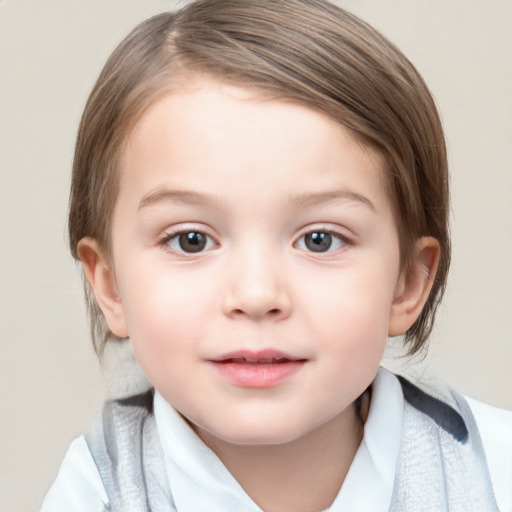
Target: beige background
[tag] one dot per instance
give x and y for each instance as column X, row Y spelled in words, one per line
column 50, row 55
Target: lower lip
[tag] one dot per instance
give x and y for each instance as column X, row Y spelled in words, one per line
column 253, row 375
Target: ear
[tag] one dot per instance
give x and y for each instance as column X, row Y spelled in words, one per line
column 414, row 286
column 101, row 278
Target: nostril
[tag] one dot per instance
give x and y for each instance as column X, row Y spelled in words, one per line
column 256, row 304
column 272, row 313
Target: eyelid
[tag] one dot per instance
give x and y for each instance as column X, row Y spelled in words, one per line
column 326, row 228
column 322, row 228
column 174, row 231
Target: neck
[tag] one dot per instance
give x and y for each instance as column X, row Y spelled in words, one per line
column 303, row 475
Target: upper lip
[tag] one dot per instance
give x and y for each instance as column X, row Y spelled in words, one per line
column 259, row 356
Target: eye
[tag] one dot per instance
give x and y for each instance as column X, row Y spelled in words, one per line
column 320, row 241
column 189, row 242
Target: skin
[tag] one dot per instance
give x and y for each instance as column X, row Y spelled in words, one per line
column 255, row 176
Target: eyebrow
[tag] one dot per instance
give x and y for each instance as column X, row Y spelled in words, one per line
column 309, row 200
column 299, row 201
column 176, row 196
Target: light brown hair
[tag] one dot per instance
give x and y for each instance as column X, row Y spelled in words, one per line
column 307, row 51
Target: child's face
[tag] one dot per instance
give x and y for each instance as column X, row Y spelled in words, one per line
column 256, row 262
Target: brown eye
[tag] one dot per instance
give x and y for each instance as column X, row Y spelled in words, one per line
column 190, row 242
column 320, row 241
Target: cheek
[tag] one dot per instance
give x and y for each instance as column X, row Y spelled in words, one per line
column 350, row 311
column 353, row 335
column 349, row 298
column 166, row 308
column 159, row 323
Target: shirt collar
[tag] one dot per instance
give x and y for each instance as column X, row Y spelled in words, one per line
column 197, row 478
column 368, row 486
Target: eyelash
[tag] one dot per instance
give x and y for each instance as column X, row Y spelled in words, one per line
column 169, row 236
column 175, row 234
column 333, row 237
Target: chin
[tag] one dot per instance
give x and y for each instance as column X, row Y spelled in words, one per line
column 261, row 439
column 255, row 433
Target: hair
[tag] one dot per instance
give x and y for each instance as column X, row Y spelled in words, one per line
column 307, row 51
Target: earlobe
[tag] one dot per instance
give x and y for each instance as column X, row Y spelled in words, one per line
column 100, row 276
column 414, row 286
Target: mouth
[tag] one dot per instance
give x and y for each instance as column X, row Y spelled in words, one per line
column 263, row 369
column 243, row 360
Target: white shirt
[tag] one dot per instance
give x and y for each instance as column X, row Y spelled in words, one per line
column 199, row 481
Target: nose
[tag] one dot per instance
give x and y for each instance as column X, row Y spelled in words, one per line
column 256, row 287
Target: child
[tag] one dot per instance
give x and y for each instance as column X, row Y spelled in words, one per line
column 259, row 199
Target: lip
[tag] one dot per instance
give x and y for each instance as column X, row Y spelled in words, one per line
column 256, row 369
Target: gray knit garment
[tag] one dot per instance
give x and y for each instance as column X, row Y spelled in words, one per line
column 441, row 463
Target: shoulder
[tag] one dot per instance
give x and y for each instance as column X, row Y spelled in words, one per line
column 78, row 486
column 494, row 424
column 84, row 480
column 456, row 414
column 495, row 428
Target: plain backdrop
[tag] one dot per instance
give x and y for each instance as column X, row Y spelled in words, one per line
column 51, row 52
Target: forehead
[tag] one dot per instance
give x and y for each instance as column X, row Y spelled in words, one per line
column 207, row 128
